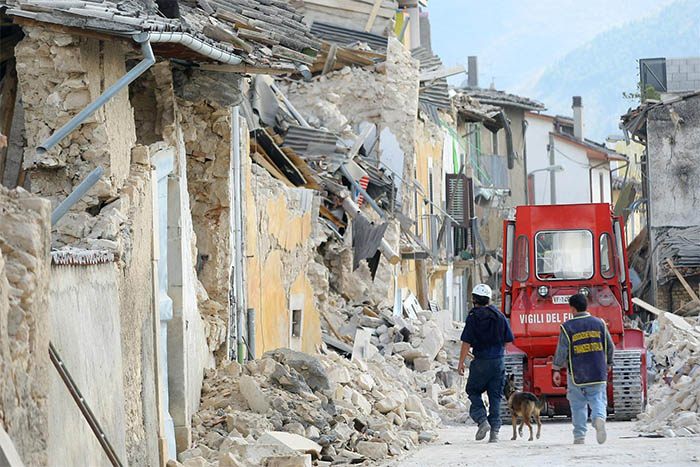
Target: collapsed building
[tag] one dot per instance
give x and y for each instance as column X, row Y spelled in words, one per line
column 665, row 254
column 230, row 215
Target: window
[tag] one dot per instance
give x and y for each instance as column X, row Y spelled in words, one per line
column 602, row 189
column 494, row 142
column 522, row 261
column 564, row 255
column 607, row 256
column 510, row 236
column 296, row 323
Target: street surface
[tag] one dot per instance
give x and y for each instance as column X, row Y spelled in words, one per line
column 456, row 447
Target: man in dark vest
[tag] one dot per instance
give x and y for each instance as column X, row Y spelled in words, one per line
column 586, row 348
column 486, row 332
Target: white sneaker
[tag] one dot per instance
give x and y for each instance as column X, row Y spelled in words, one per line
column 600, row 434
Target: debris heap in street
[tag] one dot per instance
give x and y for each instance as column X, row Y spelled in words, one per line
column 674, row 399
column 292, row 404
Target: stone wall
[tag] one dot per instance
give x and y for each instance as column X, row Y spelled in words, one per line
column 672, row 295
column 59, row 74
column 206, row 129
column 24, row 322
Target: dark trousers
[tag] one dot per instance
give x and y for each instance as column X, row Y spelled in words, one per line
column 486, row 375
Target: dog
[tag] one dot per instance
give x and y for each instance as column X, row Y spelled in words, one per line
column 525, row 405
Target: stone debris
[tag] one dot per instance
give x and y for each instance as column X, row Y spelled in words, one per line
column 674, row 397
column 291, row 408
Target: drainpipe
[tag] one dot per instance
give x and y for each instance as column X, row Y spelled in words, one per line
column 123, row 82
column 78, row 193
column 237, row 212
column 145, row 39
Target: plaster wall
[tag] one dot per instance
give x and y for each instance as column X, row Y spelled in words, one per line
column 279, row 249
column 85, row 316
column 24, row 323
column 673, row 164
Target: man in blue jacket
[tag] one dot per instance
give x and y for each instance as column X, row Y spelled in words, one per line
column 586, row 349
column 486, row 332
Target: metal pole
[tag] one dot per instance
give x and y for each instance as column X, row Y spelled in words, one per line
column 239, row 334
column 251, row 333
column 83, row 406
column 123, row 82
column 78, row 193
column 237, row 214
column 552, row 175
column 364, row 193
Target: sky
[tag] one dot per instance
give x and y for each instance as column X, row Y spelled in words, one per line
column 515, row 40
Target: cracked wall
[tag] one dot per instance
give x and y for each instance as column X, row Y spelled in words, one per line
column 24, row 322
column 281, row 238
column 206, row 129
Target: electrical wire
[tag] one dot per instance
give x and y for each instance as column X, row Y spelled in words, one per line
column 585, row 166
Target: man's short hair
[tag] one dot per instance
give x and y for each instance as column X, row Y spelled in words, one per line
column 480, row 300
column 579, row 302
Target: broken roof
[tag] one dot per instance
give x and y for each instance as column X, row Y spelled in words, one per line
column 501, row 98
column 634, row 122
column 262, row 33
column 474, row 110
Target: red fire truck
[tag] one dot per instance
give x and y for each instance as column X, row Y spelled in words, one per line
column 549, row 254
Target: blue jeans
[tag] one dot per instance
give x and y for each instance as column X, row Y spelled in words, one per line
column 486, row 375
column 580, row 398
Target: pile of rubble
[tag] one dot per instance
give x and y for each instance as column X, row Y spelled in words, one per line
column 296, row 406
column 428, row 344
column 674, row 398
column 289, row 407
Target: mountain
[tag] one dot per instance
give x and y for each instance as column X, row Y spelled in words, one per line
column 606, row 66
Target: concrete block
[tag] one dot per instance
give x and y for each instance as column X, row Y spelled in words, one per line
column 288, row 461
column 386, row 405
column 289, row 440
column 421, row 364
column 671, row 68
column 256, row 399
column 366, row 382
column 372, row 449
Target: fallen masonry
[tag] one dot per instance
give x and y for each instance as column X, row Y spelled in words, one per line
column 290, row 408
column 674, row 397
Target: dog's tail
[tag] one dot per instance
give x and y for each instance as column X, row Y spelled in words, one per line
column 531, row 397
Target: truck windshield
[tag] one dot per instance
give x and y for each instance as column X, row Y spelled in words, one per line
column 564, row 255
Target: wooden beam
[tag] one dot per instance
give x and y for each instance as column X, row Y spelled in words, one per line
column 442, row 73
column 222, row 34
column 373, row 15
column 330, row 59
column 245, row 69
column 680, row 277
column 8, row 97
column 650, row 308
column 261, row 161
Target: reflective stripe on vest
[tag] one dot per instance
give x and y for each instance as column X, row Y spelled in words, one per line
column 588, row 356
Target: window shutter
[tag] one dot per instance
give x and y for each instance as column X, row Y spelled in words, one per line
column 457, row 196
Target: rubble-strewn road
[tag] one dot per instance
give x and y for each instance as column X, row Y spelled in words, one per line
column 554, row 449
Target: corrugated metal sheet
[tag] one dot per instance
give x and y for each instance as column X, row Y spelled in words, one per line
column 311, row 141
column 345, row 36
column 433, row 95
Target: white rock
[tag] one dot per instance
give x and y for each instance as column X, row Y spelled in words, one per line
column 289, row 440
column 366, row 382
column 252, row 393
column 372, row 449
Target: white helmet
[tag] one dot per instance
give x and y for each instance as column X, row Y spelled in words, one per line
column 482, row 290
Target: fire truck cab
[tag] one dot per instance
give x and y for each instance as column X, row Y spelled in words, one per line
column 549, row 254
